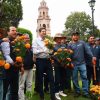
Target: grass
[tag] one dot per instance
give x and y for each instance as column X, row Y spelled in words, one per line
column 70, row 96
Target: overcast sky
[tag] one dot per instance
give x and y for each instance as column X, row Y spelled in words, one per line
column 59, row 10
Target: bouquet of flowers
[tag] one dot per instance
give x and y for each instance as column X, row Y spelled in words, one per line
column 20, row 48
column 64, row 57
column 49, row 42
column 3, row 63
column 95, row 92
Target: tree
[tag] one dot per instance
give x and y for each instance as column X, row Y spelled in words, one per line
column 10, row 13
column 78, row 21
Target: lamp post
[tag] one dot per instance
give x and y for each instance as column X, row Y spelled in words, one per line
column 1, row 7
column 92, row 4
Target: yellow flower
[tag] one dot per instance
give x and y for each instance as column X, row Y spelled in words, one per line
column 55, row 53
column 66, row 50
column 59, row 50
column 46, row 41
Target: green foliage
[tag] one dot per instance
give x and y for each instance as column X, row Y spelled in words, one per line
column 97, row 33
column 78, row 21
column 29, row 95
column 11, row 13
column 24, row 31
column 1, row 56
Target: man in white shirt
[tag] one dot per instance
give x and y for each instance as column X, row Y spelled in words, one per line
column 43, row 63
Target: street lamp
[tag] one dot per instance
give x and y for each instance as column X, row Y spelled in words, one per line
column 1, row 7
column 92, row 4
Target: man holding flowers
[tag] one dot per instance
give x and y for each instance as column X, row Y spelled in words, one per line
column 59, row 69
column 12, row 74
column 43, row 63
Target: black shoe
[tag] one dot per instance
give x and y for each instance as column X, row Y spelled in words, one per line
column 77, row 94
column 41, row 98
column 53, row 98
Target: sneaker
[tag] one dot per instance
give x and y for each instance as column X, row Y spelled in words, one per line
column 57, row 96
column 62, row 94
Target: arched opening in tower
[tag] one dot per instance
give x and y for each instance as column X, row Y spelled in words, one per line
column 44, row 25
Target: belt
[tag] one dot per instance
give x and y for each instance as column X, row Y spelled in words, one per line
column 42, row 58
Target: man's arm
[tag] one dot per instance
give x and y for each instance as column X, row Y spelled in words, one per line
column 89, row 52
column 5, row 46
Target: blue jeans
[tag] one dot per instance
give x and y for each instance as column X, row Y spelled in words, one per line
column 1, row 89
column 8, row 94
column 83, row 75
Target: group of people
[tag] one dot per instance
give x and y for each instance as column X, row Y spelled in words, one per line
column 49, row 77
column 83, row 53
column 13, row 79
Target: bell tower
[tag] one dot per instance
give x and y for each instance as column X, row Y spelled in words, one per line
column 43, row 17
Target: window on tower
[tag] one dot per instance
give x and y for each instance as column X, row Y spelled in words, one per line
column 43, row 13
column 44, row 25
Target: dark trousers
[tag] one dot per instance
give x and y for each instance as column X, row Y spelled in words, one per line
column 11, row 81
column 44, row 65
column 46, row 82
column 68, row 77
column 90, row 75
column 59, row 78
column 98, row 75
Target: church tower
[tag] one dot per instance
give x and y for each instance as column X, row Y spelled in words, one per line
column 43, row 17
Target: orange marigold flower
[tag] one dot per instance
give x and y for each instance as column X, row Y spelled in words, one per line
column 19, row 59
column 27, row 45
column 55, row 53
column 2, row 62
column 7, row 66
column 69, row 59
